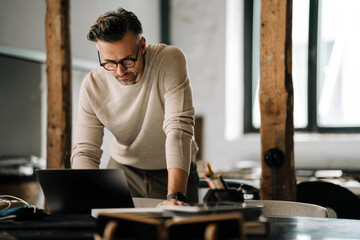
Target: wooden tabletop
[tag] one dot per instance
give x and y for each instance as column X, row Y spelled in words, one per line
column 297, row 228
column 294, row 228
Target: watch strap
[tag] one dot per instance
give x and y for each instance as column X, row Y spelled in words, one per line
column 178, row 195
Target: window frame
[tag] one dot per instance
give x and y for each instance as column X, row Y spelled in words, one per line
column 312, row 125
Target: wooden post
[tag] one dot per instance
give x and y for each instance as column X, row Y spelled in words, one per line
column 58, row 69
column 276, row 99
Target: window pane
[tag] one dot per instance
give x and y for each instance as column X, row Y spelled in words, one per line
column 256, row 64
column 300, row 36
column 299, row 62
column 338, row 63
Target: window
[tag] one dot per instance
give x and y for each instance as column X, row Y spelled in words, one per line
column 326, row 69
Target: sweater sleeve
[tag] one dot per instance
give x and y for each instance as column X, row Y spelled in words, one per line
column 179, row 111
column 89, row 132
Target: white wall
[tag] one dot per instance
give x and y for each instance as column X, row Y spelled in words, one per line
column 200, row 31
column 198, row 28
column 22, row 23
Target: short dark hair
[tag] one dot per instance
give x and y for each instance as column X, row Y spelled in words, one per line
column 114, row 25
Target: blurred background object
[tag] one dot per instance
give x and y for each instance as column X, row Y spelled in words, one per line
column 17, row 178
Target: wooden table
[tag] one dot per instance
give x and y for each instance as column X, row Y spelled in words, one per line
column 296, row 228
column 303, row 228
column 79, row 227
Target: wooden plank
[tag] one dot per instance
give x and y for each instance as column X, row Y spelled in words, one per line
column 58, row 69
column 276, row 98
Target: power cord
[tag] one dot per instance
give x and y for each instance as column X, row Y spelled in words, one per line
column 10, row 204
column 4, row 204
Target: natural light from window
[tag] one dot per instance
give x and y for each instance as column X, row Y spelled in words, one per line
column 338, row 63
column 233, row 70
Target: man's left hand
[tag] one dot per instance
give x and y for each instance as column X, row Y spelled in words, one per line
column 173, row 202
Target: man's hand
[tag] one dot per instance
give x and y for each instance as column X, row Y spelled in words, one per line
column 173, row 202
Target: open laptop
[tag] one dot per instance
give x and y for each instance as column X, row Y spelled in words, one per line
column 80, row 190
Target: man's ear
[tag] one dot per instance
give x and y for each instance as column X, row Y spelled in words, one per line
column 143, row 45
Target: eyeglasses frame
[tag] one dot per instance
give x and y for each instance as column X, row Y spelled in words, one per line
column 121, row 61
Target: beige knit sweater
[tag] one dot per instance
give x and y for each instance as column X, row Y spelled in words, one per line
column 152, row 121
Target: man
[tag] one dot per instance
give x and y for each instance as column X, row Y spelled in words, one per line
column 142, row 94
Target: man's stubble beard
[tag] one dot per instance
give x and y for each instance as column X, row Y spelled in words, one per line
column 129, row 81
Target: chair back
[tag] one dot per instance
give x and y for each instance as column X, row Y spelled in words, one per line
column 112, row 226
column 209, row 227
column 329, row 195
column 276, row 208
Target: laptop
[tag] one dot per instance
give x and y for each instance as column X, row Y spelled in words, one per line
column 77, row 191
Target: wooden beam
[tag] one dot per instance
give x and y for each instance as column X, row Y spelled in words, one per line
column 58, row 69
column 276, row 99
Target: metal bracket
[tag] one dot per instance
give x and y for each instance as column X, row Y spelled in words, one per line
column 274, row 158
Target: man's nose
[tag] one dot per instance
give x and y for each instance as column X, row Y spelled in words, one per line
column 120, row 70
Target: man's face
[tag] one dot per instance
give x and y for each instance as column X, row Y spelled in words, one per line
column 128, row 48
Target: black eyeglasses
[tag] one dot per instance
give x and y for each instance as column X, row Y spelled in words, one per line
column 126, row 62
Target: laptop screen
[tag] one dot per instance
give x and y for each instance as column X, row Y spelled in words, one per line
column 80, row 190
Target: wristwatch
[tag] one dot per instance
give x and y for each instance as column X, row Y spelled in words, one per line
column 178, row 195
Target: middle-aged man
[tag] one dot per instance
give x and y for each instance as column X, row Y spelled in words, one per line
column 143, row 95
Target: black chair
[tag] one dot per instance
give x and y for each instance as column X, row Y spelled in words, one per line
column 344, row 202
